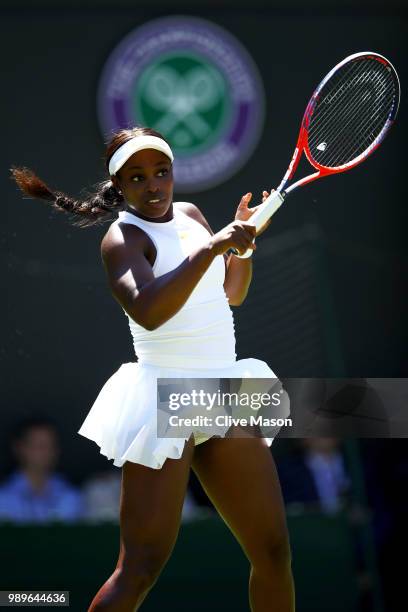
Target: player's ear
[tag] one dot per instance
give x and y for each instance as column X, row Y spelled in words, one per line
column 115, row 182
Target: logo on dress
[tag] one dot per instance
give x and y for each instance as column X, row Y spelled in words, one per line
column 196, row 84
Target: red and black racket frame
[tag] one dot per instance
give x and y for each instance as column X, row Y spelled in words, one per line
column 302, row 144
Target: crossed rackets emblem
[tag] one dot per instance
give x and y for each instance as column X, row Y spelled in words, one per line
column 182, row 100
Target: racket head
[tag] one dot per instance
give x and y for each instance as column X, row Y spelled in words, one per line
column 350, row 113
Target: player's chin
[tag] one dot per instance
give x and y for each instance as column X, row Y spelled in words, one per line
column 158, row 209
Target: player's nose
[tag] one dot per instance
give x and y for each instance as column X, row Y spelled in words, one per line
column 152, row 186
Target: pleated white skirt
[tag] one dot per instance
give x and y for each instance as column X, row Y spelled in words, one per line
column 123, row 418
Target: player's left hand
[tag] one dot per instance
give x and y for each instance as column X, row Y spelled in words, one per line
column 244, row 213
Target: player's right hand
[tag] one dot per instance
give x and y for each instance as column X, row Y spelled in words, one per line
column 237, row 235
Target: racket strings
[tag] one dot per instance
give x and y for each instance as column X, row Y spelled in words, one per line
column 326, row 117
column 359, row 128
column 341, row 81
column 351, row 111
column 357, row 134
column 359, row 138
column 325, row 114
column 347, row 119
column 349, row 125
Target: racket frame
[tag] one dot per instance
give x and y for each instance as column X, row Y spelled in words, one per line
column 276, row 198
column 302, row 144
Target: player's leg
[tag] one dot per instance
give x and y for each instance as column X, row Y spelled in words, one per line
column 240, row 477
column 150, row 512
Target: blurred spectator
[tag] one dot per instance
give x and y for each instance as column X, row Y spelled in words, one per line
column 34, row 492
column 102, row 496
column 102, row 499
column 315, row 475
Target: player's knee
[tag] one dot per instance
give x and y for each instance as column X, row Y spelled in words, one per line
column 273, row 551
column 140, row 568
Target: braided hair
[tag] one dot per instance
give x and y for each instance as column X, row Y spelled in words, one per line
column 98, row 207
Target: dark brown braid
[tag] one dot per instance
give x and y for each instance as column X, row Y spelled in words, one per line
column 98, row 207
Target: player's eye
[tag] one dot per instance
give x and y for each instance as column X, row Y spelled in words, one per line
column 163, row 172
column 137, row 178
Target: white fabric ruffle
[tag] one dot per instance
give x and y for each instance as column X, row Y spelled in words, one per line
column 123, row 419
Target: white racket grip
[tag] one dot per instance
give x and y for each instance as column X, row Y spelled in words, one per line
column 265, row 212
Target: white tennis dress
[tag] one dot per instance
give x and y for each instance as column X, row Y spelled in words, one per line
column 197, row 342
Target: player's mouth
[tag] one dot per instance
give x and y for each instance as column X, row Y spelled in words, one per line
column 153, row 201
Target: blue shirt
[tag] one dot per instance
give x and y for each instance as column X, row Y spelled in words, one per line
column 330, row 479
column 58, row 501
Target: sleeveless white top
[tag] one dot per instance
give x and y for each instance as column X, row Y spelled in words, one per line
column 201, row 333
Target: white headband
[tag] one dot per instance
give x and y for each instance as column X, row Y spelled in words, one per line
column 138, row 143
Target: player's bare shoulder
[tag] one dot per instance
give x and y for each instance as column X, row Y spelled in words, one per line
column 125, row 240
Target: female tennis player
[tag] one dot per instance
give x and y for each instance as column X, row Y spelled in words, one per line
column 166, row 269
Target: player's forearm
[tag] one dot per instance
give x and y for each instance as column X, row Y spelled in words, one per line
column 237, row 279
column 162, row 298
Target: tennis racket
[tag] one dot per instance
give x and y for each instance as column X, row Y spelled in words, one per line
column 347, row 118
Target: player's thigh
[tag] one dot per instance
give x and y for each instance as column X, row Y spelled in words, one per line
column 151, row 506
column 240, row 478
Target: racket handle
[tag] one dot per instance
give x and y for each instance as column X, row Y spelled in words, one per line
column 261, row 216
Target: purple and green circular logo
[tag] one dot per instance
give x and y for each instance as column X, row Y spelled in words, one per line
column 193, row 82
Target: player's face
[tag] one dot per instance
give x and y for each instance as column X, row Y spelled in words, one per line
column 146, row 182
column 38, row 449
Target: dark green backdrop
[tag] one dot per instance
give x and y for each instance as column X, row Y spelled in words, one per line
column 207, row 570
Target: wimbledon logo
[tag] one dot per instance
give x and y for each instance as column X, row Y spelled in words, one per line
column 193, row 82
